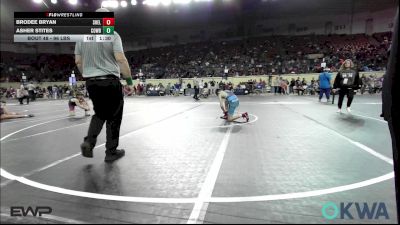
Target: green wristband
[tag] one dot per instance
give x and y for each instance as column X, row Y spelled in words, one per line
column 129, row 81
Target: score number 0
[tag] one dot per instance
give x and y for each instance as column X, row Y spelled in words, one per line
column 108, row 25
column 108, row 21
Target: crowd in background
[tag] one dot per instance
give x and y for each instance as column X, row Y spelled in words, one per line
column 274, row 84
column 40, row 68
column 32, row 91
column 277, row 85
column 271, row 55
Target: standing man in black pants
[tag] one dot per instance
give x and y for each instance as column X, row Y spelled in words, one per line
column 31, row 91
column 196, row 85
column 348, row 81
column 391, row 105
column 101, row 64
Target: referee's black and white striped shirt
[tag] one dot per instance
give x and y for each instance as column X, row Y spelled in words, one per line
column 98, row 57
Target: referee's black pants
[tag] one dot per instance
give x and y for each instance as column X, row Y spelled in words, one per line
column 394, row 128
column 108, row 104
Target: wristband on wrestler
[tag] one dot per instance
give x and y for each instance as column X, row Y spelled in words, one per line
column 129, row 81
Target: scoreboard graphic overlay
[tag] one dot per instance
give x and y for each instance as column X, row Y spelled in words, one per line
column 63, row 26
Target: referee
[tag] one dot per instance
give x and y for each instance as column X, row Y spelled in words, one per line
column 391, row 106
column 101, row 65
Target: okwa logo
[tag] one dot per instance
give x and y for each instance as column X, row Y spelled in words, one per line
column 356, row 210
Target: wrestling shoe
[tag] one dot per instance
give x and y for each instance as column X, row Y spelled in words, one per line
column 246, row 116
column 225, row 116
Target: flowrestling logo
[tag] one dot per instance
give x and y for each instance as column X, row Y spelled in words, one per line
column 355, row 210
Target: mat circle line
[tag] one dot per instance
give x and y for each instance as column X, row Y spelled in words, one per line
column 295, row 195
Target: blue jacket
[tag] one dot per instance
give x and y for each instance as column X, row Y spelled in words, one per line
column 325, row 80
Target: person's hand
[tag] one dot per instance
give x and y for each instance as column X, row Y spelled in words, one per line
column 129, row 89
column 225, row 116
column 85, row 106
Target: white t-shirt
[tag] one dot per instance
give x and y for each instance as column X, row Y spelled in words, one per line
column 31, row 87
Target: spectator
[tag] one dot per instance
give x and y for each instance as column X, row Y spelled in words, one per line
column 168, row 89
column 283, row 86
column 292, row 84
column 6, row 114
column 213, row 87
column 55, row 92
column 276, row 85
column 347, row 81
column 196, row 86
column 31, row 91
column 22, row 94
column 364, row 83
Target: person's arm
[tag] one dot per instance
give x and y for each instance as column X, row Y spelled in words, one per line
column 125, row 71
column 84, row 106
column 123, row 64
column 78, row 62
column 223, row 105
column 222, row 102
column 121, row 59
column 81, row 105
